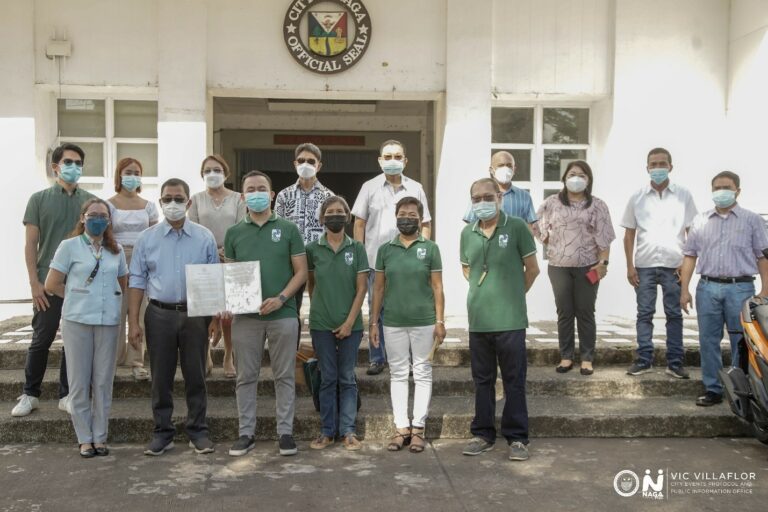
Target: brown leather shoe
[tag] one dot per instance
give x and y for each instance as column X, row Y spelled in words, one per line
column 321, row 442
column 352, row 443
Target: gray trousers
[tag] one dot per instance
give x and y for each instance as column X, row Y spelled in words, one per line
column 174, row 337
column 248, row 337
column 575, row 300
column 90, row 351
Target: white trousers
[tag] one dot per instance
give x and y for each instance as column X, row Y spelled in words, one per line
column 408, row 346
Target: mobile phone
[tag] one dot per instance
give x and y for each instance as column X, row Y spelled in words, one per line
column 592, row 276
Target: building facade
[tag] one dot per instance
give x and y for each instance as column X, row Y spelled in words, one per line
column 169, row 81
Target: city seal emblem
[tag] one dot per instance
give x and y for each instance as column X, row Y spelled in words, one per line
column 327, row 41
column 277, row 234
column 349, row 258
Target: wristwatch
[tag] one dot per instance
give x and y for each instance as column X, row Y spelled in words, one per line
column 603, row 262
column 282, row 298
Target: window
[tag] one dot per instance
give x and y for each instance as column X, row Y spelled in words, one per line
column 543, row 140
column 110, row 129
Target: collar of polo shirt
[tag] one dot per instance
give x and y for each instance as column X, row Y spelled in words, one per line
column 396, row 240
column 271, row 218
column 735, row 210
column 322, row 241
column 501, row 222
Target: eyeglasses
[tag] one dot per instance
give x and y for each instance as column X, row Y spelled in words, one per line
column 177, row 199
column 310, row 161
column 215, row 170
column 69, row 161
column 390, row 157
column 102, row 216
column 489, row 198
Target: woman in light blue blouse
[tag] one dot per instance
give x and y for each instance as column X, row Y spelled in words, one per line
column 90, row 273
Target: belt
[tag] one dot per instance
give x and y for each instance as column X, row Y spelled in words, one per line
column 182, row 306
column 729, row 280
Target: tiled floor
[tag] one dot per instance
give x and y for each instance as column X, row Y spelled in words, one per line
column 620, row 332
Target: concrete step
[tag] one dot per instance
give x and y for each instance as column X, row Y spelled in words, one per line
column 130, row 419
column 447, row 381
column 13, row 356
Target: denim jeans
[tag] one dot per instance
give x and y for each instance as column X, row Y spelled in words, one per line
column 650, row 279
column 718, row 304
column 376, row 355
column 337, row 358
column 507, row 349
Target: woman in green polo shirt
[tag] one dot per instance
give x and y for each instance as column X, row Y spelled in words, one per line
column 409, row 283
column 337, row 284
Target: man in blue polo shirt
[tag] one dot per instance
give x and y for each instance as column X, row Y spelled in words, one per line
column 515, row 202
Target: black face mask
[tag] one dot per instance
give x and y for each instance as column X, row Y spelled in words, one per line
column 407, row 225
column 335, row 223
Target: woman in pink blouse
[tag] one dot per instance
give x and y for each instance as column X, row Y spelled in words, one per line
column 577, row 232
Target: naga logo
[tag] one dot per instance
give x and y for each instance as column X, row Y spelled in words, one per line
column 626, row 483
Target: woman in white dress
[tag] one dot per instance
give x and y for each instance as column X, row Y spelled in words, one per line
column 218, row 208
column 131, row 214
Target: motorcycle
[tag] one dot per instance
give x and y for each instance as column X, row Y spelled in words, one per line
column 746, row 386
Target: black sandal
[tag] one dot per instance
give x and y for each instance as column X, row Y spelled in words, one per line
column 88, row 453
column 400, row 439
column 417, row 446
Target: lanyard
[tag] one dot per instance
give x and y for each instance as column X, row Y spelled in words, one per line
column 97, row 256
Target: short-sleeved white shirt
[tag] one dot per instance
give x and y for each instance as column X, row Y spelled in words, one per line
column 660, row 222
column 376, row 205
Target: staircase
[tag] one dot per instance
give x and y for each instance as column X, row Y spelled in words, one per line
column 606, row 404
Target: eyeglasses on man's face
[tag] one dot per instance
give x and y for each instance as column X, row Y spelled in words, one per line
column 69, row 161
column 310, row 161
column 488, row 198
column 174, row 199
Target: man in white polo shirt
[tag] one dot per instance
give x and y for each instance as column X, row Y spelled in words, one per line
column 656, row 221
column 376, row 223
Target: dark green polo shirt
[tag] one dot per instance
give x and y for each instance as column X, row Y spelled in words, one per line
column 272, row 245
column 499, row 303
column 408, row 297
column 335, row 282
column 55, row 213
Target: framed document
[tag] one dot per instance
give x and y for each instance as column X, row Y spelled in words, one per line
column 233, row 287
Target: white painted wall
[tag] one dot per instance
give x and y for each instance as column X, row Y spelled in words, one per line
column 748, row 100
column 654, row 72
column 669, row 90
column 406, row 53
column 551, row 47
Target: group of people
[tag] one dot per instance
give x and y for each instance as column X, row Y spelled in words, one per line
column 84, row 255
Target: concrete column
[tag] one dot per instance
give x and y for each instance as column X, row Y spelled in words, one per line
column 17, row 139
column 182, row 54
column 467, row 136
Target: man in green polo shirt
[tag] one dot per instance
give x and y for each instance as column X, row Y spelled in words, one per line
column 50, row 216
column 498, row 257
column 279, row 247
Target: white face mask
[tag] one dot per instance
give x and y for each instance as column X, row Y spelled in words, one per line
column 503, row 174
column 576, row 184
column 174, row 211
column 306, row 170
column 214, row 180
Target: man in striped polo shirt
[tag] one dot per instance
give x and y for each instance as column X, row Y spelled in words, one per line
column 730, row 244
column 515, row 202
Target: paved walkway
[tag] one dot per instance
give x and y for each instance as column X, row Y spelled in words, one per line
column 563, row 474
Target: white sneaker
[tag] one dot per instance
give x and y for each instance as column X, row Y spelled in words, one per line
column 65, row 405
column 26, row 405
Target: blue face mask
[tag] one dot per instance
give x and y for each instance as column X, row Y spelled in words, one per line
column 70, row 173
column 724, row 198
column 659, row 176
column 392, row 167
column 484, row 210
column 257, row 201
column 96, row 226
column 130, row 183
